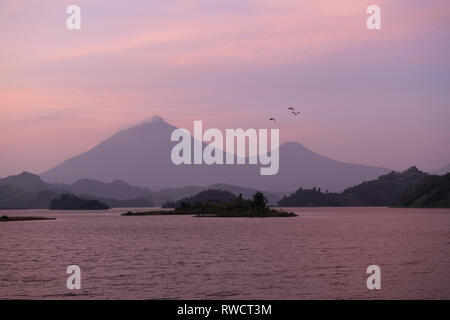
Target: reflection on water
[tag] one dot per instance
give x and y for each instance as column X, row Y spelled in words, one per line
column 322, row 253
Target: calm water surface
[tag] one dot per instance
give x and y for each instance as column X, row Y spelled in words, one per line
column 322, row 253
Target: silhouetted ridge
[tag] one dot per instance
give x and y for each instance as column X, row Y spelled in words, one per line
column 384, row 191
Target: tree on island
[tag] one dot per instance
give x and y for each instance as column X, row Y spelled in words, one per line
column 234, row 207
column 259, row 200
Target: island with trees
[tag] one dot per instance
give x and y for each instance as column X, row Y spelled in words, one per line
column 211, row 203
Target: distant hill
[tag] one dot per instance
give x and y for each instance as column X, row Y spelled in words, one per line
column 14, row 198
column 28, row 191
column 384, row 191
column 205, row 196
column 28, row 182
column 68, row 201
column 432, row 192
column 119, row 193
column 125, row 203
column 119, row 190
column 311, row 198
column 140, row 155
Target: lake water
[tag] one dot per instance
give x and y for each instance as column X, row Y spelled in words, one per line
column 323, row 253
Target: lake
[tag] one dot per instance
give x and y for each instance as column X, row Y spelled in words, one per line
column 321, row 254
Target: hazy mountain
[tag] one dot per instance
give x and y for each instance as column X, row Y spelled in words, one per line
column 115, row 194
column 300, row 166
column 116, row 190
column 181, row 192
column 15, row 198
column 118, row 193
column 27, row 182
column 27, row 190
column 441, row 171
column 140, row 155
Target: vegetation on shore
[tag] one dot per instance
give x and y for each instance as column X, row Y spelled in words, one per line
column 238, row 207
column 431, row 192
column 28, row 218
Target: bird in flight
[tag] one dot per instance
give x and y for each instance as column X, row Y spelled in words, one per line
column 272, row 119
column 292, row 110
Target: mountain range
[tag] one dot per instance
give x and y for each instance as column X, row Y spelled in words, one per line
column 141, row 156
column 411, row 187
column 35, row 193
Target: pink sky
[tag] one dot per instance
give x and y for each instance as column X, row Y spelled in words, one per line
column 372, row 97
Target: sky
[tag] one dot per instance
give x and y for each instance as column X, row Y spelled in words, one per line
column 376, row 97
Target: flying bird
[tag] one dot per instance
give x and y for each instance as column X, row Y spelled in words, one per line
column 291, row 108
column 272, row 119
column 295, row 113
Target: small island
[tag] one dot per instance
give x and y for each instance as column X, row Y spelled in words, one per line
column 28, row 218
column 237, row 207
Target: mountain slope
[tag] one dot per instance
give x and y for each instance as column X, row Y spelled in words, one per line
column 384, row 191
column 432, row 191
column 27, row 182
column 140, row 155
